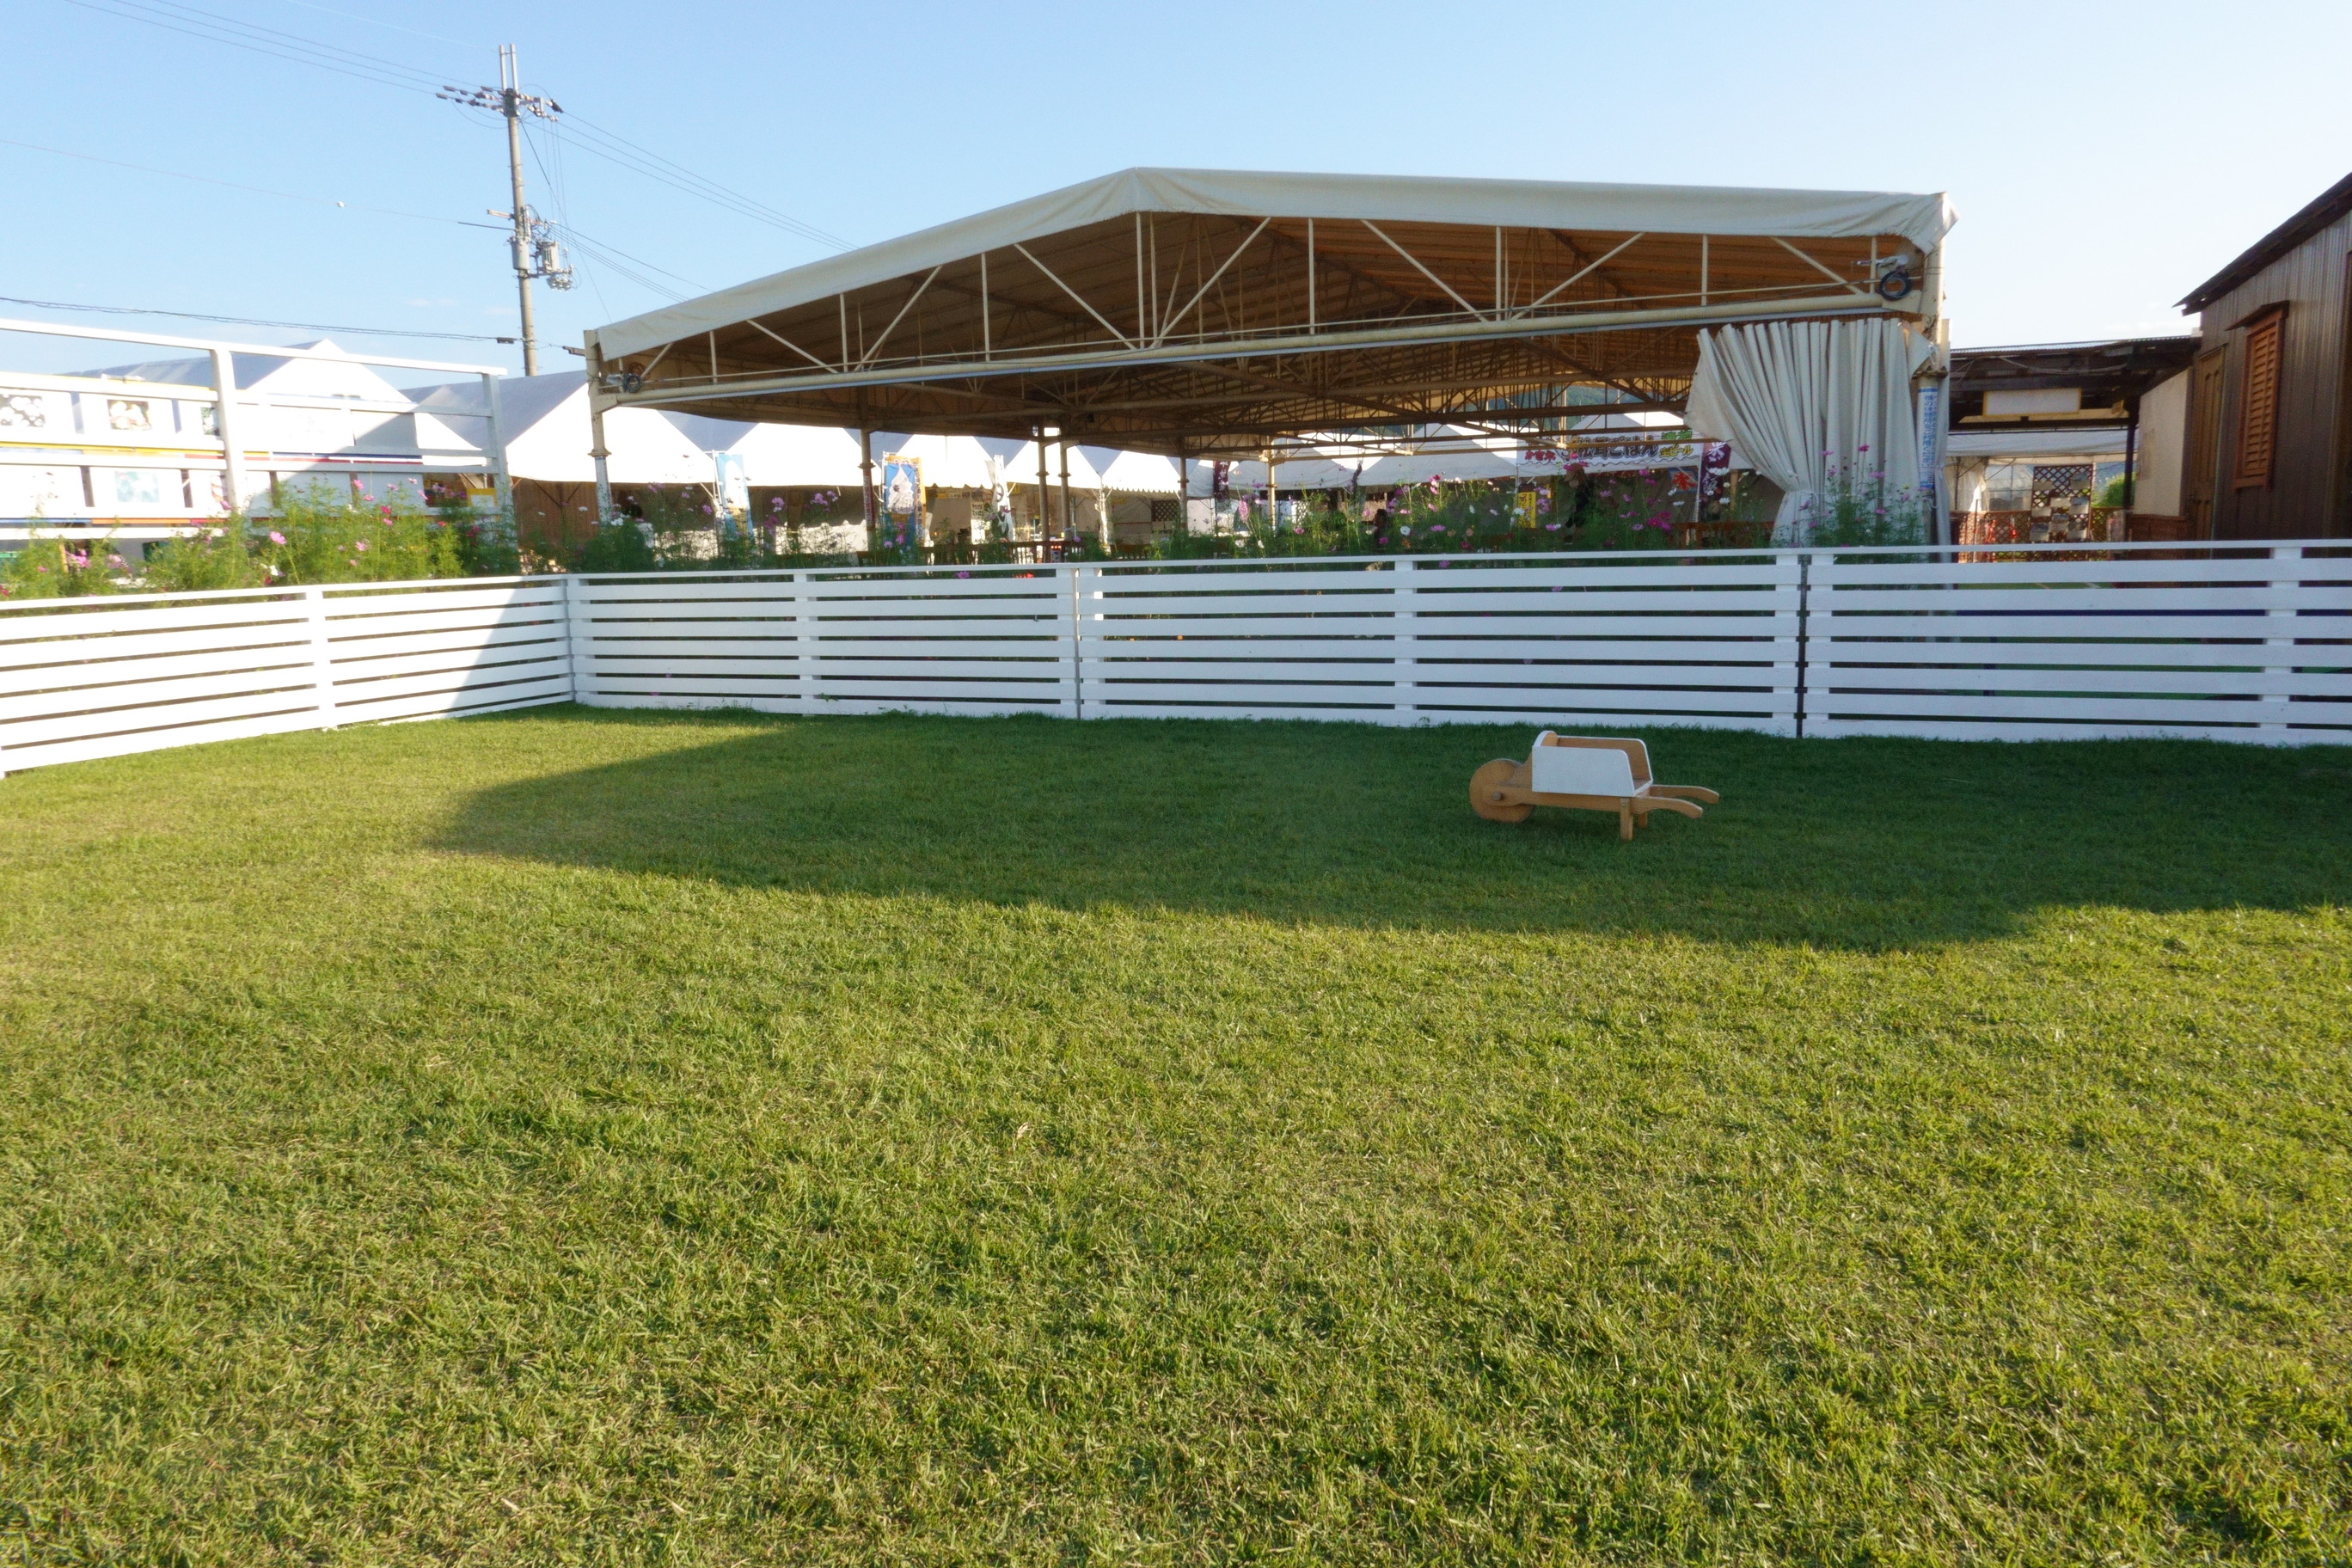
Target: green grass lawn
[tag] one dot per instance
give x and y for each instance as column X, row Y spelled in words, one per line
column 630, row 1138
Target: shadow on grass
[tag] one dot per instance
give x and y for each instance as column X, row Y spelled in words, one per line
column 1855, row 844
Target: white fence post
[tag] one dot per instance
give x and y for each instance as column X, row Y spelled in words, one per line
column 580, row 650
column 1084, row 588
column 2278, row 666
column 1798, row 649
column 1408, row 630
column 804, row 645
column 323, row 656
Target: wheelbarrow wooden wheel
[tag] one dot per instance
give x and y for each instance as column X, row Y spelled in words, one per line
column 1487, row 792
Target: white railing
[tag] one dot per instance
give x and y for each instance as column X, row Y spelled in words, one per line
column 2046, row 646
column 2243, row 643
column 100, row 677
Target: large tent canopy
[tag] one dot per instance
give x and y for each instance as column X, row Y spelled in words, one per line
column 1208, row 313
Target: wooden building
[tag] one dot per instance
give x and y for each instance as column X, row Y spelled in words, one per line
column 2270, row 422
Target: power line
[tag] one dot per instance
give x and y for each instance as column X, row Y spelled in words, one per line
column 216, row 29
column 376, row 22
column 610, row 146
column 256, row 190
column 654, row 167
column 254, row 321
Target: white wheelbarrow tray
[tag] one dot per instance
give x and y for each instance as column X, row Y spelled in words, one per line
column 1584, row 774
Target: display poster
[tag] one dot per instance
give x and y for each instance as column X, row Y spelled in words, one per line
column 902, row 486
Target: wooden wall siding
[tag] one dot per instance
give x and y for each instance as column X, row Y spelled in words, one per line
column 2301, row 499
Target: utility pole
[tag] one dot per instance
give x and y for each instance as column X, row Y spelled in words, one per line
column 532, row 244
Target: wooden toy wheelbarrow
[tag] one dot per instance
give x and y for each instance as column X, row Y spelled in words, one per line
column 1584, row 774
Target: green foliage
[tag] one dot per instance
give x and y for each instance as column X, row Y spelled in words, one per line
column 644, row 1139
column 2116, row 493
column 212, row 558
column 61, row 569
column 620, row 545
column 1638, row 510
column 1864, row 510
column 1634, row 509
column 312, row 539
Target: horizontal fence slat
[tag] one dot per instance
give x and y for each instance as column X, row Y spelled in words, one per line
column 346, row 609
column 1020, row 646
column 1960, row 600
column 2119, row 627
column 132, row 647
column 2027, row 706
column 389, row 698
column 157, row 696
column 1839, row 652
column 686, row 592
column 93, row 748
column 105, row 672
column 482, row 640
column 362, row 676
column 1961, row 730
column 362, row 632
column 162, row 618
column 1992, row 574
column 613, row 670
column 1843, row 678
column 246, row 704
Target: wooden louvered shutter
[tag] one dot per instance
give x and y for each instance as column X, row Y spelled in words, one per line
column 2258, row 423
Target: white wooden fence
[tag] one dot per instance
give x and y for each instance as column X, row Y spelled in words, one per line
column 2255, row 645
column 2245, row 643
column 99, row 678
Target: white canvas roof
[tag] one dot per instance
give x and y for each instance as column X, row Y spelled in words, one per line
column 1658, row 209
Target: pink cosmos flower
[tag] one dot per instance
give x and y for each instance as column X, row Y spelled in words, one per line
column 276, row 537
column 361, row 545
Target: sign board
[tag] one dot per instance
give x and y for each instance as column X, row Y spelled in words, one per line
column 733, row 486
column 1613, row 453
column 902, row 486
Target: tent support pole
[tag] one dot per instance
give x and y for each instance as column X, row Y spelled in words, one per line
column 1070, row 501
column 865, row 476
column 597, row 451
column 1183, row 491
column 497, row 443
column 2131, row 464
column 1044, row 489
column 225, row 420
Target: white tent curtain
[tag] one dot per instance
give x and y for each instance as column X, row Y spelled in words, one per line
column 1815, row 406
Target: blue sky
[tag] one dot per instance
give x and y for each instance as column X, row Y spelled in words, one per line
column 2103, row 157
